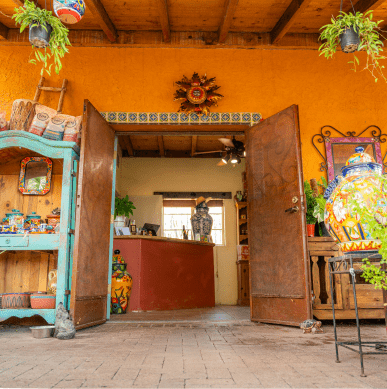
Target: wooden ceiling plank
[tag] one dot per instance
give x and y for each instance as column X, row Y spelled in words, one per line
column 366, row 5
column 185, row 39
column 161, row 145
column 128, row 145
column 283, row 25
column 3, row 31
column 193, row 145
column 224, row 28
column 97, row 9
column 164, row 20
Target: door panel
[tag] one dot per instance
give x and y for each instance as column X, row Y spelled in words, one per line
column 279, row 268
column 90, row 281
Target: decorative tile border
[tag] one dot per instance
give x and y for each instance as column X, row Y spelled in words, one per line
column 251, row 118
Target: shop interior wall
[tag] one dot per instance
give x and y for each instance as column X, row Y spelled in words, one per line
column 265, row 81
column 144, row 176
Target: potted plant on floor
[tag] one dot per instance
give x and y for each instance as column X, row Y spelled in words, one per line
column 319, row 208
column 48, row 36
column 123, row 207
column 355, row 32
column 310, row 205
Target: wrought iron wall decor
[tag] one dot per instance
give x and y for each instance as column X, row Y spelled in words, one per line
column 339, row 149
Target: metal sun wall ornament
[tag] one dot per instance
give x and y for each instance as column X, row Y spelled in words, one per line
column 197, row 94
column 338, row 150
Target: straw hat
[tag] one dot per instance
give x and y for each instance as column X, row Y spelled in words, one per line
column 201, row 199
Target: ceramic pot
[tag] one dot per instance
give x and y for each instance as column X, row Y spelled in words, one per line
column 310, row 229
column 39, row 36
column 69, row 11
column 201, row 221
column 43, row 301
column 360, row 181
column 349, row 40
column 15, row 300
column 53, row 220
column 122, row 283
column 52, row 281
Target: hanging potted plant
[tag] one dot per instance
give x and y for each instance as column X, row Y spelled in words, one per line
column 310, row 205
column 355, row 32
column 47, row 34
column 123, row 207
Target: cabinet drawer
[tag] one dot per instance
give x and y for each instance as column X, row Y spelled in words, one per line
column 13, row 241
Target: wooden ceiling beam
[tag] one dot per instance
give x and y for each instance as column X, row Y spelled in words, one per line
column 161, row 145
column 193, row 145
column 283, row 25
column 224, row 28
column 366, row 5
column 3, row 31
column 154, row 39
column 164, row 20
column 128, row 145
column 102, row 18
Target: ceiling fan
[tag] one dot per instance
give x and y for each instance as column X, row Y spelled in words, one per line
column 234, row 149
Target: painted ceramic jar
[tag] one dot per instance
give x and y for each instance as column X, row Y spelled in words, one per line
column 361, row 182
column 201, row 220
column 15, row 300
column 69, row 11
column 122, row 283
column 53, row 220
column 33, row 219
column 14, row 218
column 52, row 281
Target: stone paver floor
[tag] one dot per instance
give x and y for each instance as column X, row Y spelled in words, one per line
column 231, row 353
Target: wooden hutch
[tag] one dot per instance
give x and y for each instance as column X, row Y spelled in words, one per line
column 82, row 250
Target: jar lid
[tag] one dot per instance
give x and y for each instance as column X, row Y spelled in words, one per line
column 359, row 157
column 33, row 216
column 15, row 212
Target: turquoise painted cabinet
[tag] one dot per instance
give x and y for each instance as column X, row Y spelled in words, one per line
column 15, row 145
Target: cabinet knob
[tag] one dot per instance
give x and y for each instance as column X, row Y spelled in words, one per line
column 8, row 241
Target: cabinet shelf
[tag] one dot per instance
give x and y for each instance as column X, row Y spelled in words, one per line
column 243, row 221
column 29, row 242
column 47, row 314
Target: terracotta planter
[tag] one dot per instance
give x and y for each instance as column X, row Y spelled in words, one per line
column 15, row 300
column 43, row 301
column 310, row 229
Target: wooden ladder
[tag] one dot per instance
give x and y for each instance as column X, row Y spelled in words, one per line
column 62, row 91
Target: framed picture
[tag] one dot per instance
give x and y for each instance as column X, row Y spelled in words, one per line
column 122, row 231
column 338, row 150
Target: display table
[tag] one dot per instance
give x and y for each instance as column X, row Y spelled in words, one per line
column 168, row 273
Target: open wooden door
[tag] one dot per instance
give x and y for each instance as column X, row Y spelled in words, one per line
column 279, row 265
column 89, row 289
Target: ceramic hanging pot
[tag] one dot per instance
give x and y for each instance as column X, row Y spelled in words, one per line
column 361, row 181
column 349, row 40
column 69, row 11
column 40, row 36
column 122, row 283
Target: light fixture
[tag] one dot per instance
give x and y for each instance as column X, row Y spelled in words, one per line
column 234, row 158
column 244, row 153
column 226, row 158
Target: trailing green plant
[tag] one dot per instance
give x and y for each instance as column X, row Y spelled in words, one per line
column 377, row 226
column 123, row 207
column 30, row 15
column 369, row 34
column 310, row 203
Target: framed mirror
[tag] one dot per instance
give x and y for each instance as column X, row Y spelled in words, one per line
column 35, row 176
column 338, row 150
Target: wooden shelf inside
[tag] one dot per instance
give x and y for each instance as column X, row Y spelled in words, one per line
column 243, row 221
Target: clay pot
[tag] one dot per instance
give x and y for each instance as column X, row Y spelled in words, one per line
column 310, row 229
column 43, row 301
column 15, row 300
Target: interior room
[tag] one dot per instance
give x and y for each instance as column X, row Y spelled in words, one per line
column 164, row 176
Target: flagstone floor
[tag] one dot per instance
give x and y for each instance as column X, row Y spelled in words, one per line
column 183, row 352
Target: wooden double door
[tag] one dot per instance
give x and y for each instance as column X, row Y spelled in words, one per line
column 279, row 264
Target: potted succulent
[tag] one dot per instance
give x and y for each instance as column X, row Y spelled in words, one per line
column 319, row 208
column 48, row 36
column 310, row 205
column 123, row 207
column 355, row 32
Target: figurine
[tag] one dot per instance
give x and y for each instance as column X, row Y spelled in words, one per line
column 312, row 326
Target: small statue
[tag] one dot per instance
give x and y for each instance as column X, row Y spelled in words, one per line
column 312, row 326
column 64, row 326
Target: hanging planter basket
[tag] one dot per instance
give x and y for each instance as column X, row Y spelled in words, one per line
column 39, row 36
column 349, row 40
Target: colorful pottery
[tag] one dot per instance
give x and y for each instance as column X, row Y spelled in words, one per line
column 122, row 283
column 360, row 181
column 69, row 11
column 52, row 281
column 33, row 219
column 43, row 301
column 201, row 221
column 15, row 300
column 53, row 220
column 14, row 218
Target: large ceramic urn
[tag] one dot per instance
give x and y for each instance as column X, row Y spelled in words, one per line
column 201, row 220
column 360, row 183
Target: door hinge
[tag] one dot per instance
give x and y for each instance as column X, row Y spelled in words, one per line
column 67, row 292
column 73, row 174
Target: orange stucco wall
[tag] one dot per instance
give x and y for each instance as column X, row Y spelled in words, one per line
column 265, row 81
